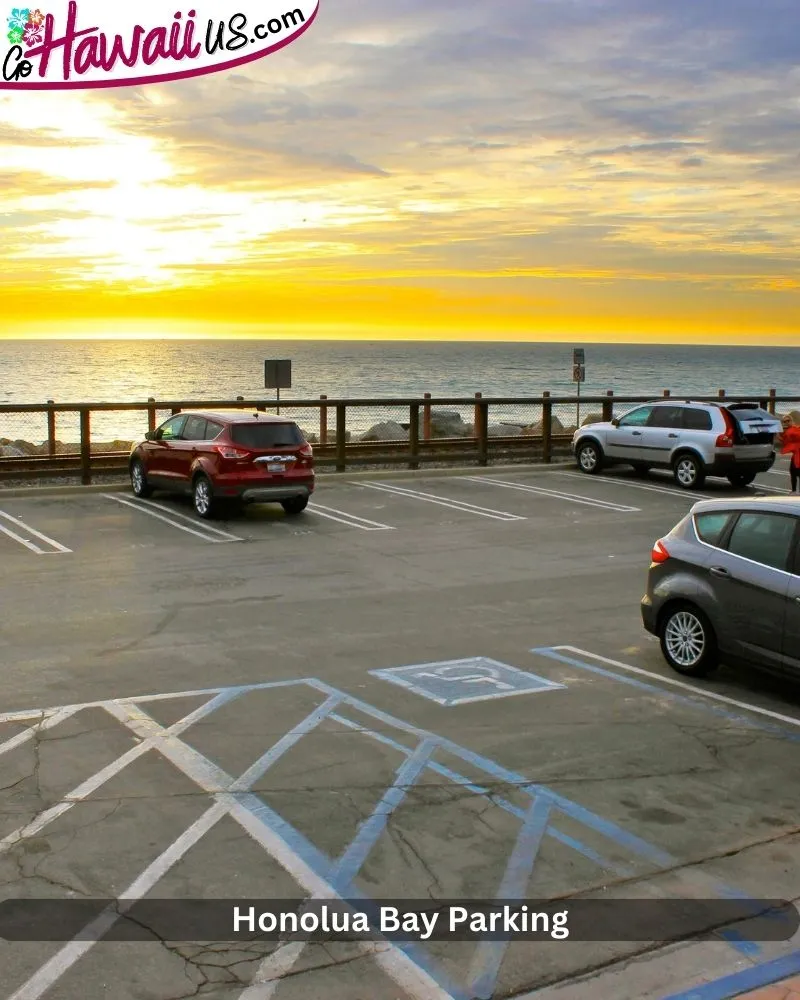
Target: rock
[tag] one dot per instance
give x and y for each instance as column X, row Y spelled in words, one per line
column 388, row 430
column 12, row 451
column 592, row 418
column 535, row 430
column 504, row 430
column 447, row 423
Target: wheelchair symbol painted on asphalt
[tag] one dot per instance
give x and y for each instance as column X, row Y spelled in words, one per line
column 457, row 682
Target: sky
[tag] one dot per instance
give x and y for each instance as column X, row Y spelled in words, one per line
column 532, row 169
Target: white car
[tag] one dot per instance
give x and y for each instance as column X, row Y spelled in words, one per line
column 694, row 440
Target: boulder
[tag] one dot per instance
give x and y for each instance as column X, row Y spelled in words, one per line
column 447, row 423
column 388, row 430
column 504, row 430
column 592, row 418
column 535, row 430
column 12, row 451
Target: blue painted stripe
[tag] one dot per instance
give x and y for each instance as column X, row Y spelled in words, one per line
column 327, row 870
column 488, row 955
column 738, row 983
column 285, row 743
column 573, row 843
column 370, row 830
column 747, row 948
column 683, row 699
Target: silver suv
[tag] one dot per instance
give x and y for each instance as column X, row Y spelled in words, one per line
column 724, row 584
column 694, row 440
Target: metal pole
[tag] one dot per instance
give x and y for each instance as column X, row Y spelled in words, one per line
column 279, row 400
column 578, row 415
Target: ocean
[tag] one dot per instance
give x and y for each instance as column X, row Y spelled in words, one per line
column 34, row 371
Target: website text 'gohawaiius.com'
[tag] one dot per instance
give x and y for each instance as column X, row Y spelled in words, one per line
column 47, row 51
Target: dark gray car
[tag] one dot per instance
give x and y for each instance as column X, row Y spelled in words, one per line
column 724, row 584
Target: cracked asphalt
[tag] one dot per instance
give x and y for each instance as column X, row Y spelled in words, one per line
column 134, row 606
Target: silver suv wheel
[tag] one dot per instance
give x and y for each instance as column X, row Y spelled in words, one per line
column 688, row 472
column 589, row 457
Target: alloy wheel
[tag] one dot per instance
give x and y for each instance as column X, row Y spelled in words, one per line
column 685, row 639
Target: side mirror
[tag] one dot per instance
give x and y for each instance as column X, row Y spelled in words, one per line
column 152, row 436
column 615, row 421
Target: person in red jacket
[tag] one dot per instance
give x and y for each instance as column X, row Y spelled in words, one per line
column 790, row 441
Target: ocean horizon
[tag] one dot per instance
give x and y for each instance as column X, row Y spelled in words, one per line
column 92, row 371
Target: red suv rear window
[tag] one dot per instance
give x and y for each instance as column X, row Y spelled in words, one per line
column 267, row 435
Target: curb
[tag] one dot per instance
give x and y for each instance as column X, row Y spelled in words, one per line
column 329, row 478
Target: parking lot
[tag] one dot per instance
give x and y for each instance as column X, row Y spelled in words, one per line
column 429, row 686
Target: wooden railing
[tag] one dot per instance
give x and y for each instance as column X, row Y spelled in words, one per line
column 543, row 440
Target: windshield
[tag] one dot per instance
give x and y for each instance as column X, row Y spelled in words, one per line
column 267, row 435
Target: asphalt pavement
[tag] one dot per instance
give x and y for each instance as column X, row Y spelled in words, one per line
column 432, row 687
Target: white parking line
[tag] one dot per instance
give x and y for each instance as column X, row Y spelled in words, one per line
column 570, row 497
column 57, row 546
column 351, row 520
column 145, row 507
column 681, row 684
column 469, row 508
column 634, row 486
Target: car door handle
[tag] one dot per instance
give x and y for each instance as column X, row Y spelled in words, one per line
column 719, row 571
column 637, row 433
column 672, row 435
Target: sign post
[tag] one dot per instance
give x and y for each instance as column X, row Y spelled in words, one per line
column 578, row 376
column 278, row 375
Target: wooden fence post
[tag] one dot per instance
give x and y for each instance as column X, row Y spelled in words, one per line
column 476, row 417
column 608, row 405
column 86, row 446
column 482, row 433
column 323, row 422
column 547, row 428
column 413, row 436
column 51, row 428
column 667, row 394
column 771, row 401
column 426, row 419
column 151, row 414
column 721, row 393
column 341, row 437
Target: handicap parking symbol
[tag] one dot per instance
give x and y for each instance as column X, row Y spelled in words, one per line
column 458, row 682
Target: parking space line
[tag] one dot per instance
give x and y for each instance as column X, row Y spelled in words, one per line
column 469, row 508
column 673, row 682
column 47, row 721
column 57, row 546
column 351, row 520
column 144, row 507
column 571, row 497
column 636, row 486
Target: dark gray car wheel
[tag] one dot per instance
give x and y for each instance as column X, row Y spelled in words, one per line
column 590, row 457
column 688, row 641
column 295, row 505
column 688, row 471
column 741, row 479
column 141, row 488
column 203, row 497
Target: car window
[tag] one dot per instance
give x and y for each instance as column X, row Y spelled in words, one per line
column 213, row 430
column 195, row 429
column 171, row 429
column 695, row 419
column 637, row 417
column 711, row 526
column 267, row 435
column 763, row 538
column 665, row 416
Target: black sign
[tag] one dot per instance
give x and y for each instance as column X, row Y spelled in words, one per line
column 578, row 356
column 578, row 373
column 278, row 374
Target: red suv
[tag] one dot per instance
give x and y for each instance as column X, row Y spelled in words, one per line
column 252, row 458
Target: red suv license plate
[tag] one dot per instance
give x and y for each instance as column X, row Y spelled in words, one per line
column 276, row 467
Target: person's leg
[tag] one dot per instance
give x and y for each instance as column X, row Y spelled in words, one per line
column 794, row 475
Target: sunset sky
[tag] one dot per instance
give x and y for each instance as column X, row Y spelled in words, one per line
column 531, row 169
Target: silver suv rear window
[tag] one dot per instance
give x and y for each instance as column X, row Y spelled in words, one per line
column 267, row 435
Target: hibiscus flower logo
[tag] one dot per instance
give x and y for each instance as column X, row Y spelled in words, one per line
column 32, row 34
column 36, row 18
column 25, row 25
column 20, row 16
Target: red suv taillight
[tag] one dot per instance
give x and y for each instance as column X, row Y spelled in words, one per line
column 659, row 553
column 727, row 439
column 305, row 455
column 228, row 452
